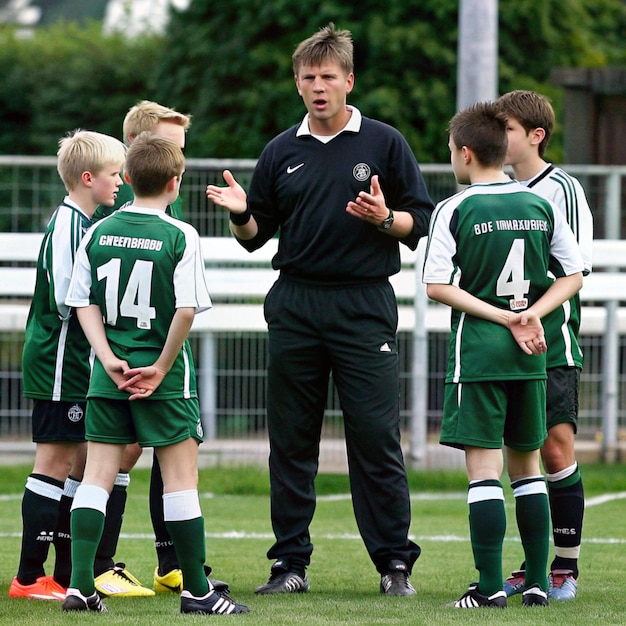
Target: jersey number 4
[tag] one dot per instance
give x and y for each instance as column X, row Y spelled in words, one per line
column 511, row 282
column 135, row 302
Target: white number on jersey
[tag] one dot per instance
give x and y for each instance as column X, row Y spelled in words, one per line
column 135, row 302
column 511, row 281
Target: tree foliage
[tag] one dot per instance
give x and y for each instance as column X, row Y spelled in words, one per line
column 228, row 63
column 68, row 76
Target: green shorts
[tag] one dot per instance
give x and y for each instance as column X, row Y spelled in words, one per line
column 152, row 424
column 484, row 414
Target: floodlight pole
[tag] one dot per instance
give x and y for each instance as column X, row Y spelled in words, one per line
column 477, row 60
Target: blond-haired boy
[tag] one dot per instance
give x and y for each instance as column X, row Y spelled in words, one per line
column 55, row 364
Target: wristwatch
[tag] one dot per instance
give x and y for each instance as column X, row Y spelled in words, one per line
column 387, row 222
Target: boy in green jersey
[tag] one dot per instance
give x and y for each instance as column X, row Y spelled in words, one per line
column 55, row 365
column 162, row 121
column 137, row 283
column 530, row 122
column 145, row 116
column 489, row 251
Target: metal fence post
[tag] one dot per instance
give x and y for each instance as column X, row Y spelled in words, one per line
column 208, row 385
column 419, row 379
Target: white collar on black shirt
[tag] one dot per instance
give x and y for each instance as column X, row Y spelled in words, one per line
column 353, row 125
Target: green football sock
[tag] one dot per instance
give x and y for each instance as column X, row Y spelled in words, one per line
column 188, row 537
column 487, row 520
column 533, row 521
column 87, row 525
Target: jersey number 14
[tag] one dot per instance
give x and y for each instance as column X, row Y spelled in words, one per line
column 135, row 302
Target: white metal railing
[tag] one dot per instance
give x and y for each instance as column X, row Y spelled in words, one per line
column 239, row 282
column 30, row 189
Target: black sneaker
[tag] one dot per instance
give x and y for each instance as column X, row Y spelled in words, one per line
column 284, row 580
column 212, row 604
column 472, row 599
column 76, row 601
column 534, row 596
column 395, row 582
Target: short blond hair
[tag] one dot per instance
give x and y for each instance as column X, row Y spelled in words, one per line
column 152, row 161
column 145, row 116
column 87, row 151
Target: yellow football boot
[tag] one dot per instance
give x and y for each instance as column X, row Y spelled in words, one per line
column 172, row 581
column 119, row 582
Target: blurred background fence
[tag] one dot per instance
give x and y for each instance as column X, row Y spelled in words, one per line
column 30, row 189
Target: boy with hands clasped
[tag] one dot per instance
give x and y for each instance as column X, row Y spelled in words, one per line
column 137, row 284
column 490, row 249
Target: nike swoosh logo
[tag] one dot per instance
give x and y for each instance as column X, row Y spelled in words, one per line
column 291, row 170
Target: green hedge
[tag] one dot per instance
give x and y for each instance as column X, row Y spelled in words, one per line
column 68, row 76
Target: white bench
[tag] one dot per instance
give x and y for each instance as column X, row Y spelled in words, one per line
column 239, row 280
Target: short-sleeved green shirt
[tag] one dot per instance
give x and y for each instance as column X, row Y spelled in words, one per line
column 139, row 265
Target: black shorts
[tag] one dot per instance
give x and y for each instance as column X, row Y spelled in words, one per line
column 562, row 396
column 58, row 421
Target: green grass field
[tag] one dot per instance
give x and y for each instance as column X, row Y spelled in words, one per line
column 344, row 583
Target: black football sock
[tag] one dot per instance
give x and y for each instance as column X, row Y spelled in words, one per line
column 105, row 555
column 166, row 553
column 567, row 507
column 40, row 511
column 62, row 538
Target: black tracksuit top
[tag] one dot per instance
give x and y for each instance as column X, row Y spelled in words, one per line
column 301, row 187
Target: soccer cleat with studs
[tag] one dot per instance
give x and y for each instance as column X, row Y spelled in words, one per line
column 212, row 604
column 562, row 585
column 118, row 581
column 534, row 596
column 173, row 581
column 395, row 582
column 44, row 588
column 514, row 584
column 76, row 601
column 284, row 580
column 473, row 599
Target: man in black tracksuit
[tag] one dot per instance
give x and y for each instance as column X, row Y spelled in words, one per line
column 343, row 191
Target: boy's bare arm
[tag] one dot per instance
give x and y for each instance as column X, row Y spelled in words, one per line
column 528, row 332
column 90, row 318
column 560, row 290
column 143, row 381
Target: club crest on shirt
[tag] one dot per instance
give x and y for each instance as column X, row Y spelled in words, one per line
column 75, row 413
column 361, row 171
column 518, row 305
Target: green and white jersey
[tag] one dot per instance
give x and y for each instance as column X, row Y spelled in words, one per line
column 55, row 359
column 497, row 242
column 563, row 324
column 140, row 265
column 125, row 197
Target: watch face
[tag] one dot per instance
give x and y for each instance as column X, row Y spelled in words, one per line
column 387, row 223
